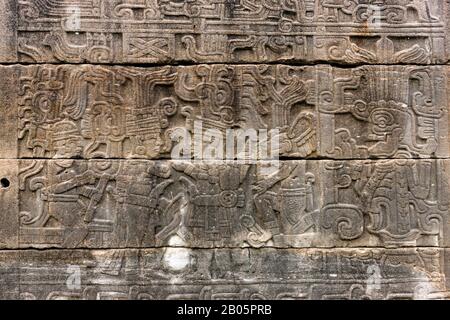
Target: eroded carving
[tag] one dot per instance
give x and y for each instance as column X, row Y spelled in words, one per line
column 138, row 203
column 120, row 112
column 232, row 31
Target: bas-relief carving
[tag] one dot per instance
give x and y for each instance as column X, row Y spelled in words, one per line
column 395, row 111
column 122, row 112
column 162, row 31
column 98, row 127
column 136, row 203
column 415, row 273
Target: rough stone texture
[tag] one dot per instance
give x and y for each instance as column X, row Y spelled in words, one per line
column 93, row 205
column 415, row 273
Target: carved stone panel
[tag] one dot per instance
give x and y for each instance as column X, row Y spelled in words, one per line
column 319, row 111
column 138, row 204
column 165, row 31
column 415, row 273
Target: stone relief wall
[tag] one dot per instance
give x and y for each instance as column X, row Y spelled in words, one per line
column 214, row 31
column 94, row 205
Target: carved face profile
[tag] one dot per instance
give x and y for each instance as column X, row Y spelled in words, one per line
column 66, row 140
column 150, row 147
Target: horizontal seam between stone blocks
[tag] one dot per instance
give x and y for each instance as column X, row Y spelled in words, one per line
column 190, row 64
column 223, row 160
column 225, row 248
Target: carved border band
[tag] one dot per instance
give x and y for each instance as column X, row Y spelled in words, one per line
column 165, row 31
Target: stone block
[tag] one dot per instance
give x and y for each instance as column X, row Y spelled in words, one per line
column 301, row 204
column 87, row 111
column 250, row 274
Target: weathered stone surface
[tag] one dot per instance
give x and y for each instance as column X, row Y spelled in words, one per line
column 9, row 203
column 182, row 273
column 304, row 204
column 164, row 31
column 352, row 202
column 8, row 26
column 9, row 275
column 321, row 112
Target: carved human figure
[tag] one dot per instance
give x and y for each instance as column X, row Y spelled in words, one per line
column 397, row 198
column 68, row 183
column 139, row 192
column 214, row 195
column 288, row 209
column 66, row 140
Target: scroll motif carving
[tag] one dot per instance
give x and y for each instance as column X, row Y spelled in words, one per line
column 123, row 112
column 136, row 203
column 158, row 31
